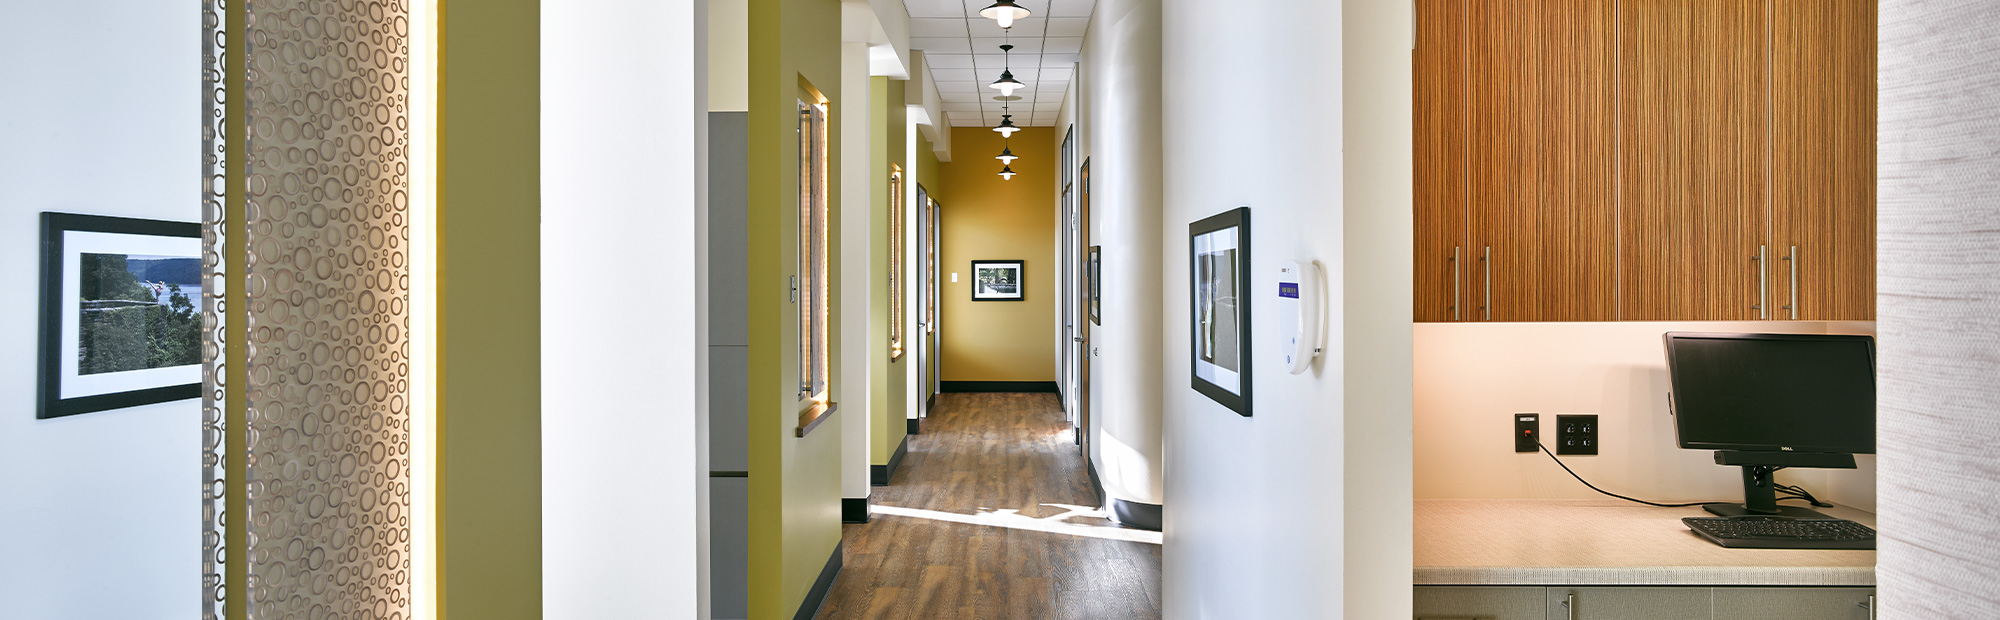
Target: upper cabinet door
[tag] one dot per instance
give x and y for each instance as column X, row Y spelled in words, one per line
column 1542, row 211
column 1692, row 159
column 1823, row 160
column 1441, row 267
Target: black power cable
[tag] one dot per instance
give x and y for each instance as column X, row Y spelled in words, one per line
column 1795, row 492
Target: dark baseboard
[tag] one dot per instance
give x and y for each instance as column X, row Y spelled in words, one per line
column 855, row 509
column 913, row 426
column 1135, row 515
column 930, row 403
column 879, row 475
column 1033, row 387
column 817, row 596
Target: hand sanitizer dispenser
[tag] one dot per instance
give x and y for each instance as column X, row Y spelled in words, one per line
column 1299, row 301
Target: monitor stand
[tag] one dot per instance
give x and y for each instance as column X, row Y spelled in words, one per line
column 1759, row 498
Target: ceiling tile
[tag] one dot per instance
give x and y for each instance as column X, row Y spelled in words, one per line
column 960, row 97
column 1058, row 60
column 942, row 45
column 991, row 45
column 1062, row 45
column 1058, row 8
column 1065, row 26
column 936, row 8
column 948, row 61
column 961, row 87
column 937, row 27
column 1059, row 74
column 968, row 121
column 1048, row 105
column 953, row 75
column 961, row 108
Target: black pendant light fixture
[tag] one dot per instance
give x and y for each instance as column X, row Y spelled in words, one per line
column 1006, row 156
column 1007, row 173
column 1006, row 127
column 1005, row 12
column 1007, row 84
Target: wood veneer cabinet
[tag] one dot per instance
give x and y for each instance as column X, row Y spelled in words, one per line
column 1593, row 160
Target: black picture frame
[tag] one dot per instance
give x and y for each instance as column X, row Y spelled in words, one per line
column 1219, row 302
column 1019, row 286
column 1093, row 272
column 50, row 401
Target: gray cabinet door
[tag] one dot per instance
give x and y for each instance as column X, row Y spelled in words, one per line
column 1481, row 603
column 1792, row 603
column 1629, row 604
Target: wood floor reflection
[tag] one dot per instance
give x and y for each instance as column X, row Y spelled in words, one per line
column 946, row 546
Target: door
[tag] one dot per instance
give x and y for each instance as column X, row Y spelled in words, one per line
column 1692, row 159
column 1823, row 160
column 1542, row 218
column 1070, row 270
column 934, row 226
column 1441, row 266
column 1088, row 309
column 1654, row 603
column 926, row 317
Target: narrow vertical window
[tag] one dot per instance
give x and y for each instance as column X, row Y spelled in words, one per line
column 812, row 285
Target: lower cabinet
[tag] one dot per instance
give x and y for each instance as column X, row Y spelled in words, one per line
column 1481, row 603
column 1641, row 603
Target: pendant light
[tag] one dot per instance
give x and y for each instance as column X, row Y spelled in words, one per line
column 1006, row 127
column 1006, row 156
column 1007, row 84
column 1005, row 12
column 1007, row 173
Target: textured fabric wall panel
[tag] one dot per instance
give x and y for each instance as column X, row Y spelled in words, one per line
column 1939, row 273
column 327, row 283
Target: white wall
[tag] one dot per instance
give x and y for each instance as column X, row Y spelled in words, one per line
column 1122, row 51
column 624, row 473
column 103, row 511
column 1263, row 513
column 857, row 265
column 1471, row 378
column 1939, row 240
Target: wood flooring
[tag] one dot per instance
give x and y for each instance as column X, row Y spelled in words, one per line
column 973, row 526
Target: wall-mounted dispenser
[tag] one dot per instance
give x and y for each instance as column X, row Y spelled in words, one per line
column 1300, row 302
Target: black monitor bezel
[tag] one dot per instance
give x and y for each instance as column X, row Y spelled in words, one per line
column 1667, row 340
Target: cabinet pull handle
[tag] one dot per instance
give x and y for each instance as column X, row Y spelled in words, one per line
column 1793, row 259
column 1488, row 260
column 1454, row 283
column 1569, row 605
column 1871, row 607
column 1762, row 286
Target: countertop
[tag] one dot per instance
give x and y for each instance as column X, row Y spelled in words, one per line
column 1609, row 542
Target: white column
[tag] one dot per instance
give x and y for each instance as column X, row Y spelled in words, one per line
column 856, row 265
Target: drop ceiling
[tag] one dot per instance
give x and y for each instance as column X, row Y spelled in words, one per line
column 963, row 51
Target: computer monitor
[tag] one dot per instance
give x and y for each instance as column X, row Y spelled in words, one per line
column 1769, row 401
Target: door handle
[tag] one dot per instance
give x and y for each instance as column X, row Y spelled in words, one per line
column 1762, row 286
column 1078, row 340
column 1793, row 259
column 1488, row 260
column 1454, row 283
column 1569, row 605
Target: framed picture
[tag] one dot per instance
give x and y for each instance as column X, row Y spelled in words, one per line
column 121, row 304
column 1091, row 270
column 998, row 280
column 1219, row 251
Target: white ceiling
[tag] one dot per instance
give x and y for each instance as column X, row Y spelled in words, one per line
column 963, row 51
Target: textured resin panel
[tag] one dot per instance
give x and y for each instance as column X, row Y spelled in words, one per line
column 327, row 281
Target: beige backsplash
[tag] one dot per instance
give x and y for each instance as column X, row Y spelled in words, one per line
column 1470, row 378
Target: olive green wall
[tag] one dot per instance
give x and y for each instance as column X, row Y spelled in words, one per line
column 489, row 236
column 990, row 218
column 889, row 123
column 794, row 481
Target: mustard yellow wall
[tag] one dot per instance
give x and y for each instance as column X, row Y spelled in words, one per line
column 794, row 481
column 927, row 176
column 889, row 122
column 989, row 218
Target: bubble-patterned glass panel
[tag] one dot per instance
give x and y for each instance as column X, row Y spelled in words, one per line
column 213, row 429
column 327, row 284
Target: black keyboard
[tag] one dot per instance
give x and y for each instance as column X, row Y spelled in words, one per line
column 1782, row 532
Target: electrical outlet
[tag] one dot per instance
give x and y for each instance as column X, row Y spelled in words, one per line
column 1576, row 434
column 1527, row 432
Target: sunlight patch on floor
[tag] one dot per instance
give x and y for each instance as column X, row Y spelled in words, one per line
column 1013, row 519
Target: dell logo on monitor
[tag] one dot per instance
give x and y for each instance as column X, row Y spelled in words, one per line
column 1785, row 448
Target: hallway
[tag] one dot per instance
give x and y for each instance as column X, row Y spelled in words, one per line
column 990, row 516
